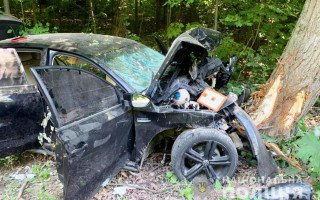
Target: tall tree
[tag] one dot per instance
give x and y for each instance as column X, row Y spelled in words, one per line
column 294, row 86
column 136, row 19
column 6, row 6
column 216, row 15
column 92, row 17
column 34, row 11
column 119, row 20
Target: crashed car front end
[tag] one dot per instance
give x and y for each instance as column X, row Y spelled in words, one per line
column 187, row 71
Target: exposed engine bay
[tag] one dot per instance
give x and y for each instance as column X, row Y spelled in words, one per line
column 191, row 70
column 188, row 73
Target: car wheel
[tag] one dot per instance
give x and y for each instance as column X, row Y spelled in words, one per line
column 204, row 151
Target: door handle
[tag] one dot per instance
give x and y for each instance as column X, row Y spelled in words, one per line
column 144, row 120
column 78, row 150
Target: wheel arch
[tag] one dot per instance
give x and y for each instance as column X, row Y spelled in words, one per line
column 172, row 133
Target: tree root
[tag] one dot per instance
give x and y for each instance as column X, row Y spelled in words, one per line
column 276, row 149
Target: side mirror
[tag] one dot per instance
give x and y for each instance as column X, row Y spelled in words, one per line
column 139, row 101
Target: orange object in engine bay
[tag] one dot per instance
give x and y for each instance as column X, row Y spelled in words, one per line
column 212, row 99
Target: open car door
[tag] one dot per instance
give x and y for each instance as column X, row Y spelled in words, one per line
column 93, row 129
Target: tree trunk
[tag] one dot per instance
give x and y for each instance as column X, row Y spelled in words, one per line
column 22, row 10
column 294, row 86
column 158, row 13
column 92, row 17
column 34, row 11
column 136, row 17
column 6, row 7
column 216, row 16
column 119, row 22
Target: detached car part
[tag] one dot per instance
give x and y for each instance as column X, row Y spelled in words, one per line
column 266, row 164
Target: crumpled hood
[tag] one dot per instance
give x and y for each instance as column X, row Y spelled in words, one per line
column 203, row 39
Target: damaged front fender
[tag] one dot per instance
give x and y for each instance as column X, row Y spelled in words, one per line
column 267, row 167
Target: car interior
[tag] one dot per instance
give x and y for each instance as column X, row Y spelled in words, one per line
column 30, row 59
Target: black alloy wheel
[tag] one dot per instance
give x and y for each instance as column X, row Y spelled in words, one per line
column 207, row 151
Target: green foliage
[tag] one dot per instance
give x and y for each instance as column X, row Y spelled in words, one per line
column 122, row 198
column 317, row 195
column 177, row 3
column 308, row 150
column 39, row 28
column 268, row 138
column 187, row 192
column 132, row 36
column 10, row 161
column 236, row 20
column 217, row 185
column 174, row 30
column 42, row 174
column 229, row 188
column 256, row 31
column 234, row 87
column 264, row 29
column 291, row 171
column 249, row 156
column 304, row 146
column 170, row 177
column 45, row 194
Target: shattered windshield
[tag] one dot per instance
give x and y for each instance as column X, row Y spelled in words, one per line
column 135, row 64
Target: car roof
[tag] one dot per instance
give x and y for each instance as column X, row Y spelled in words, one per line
column 89, row 45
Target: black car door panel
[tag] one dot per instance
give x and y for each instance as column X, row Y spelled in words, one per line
column 20, row 118
column 21, row 107
column 93, row 128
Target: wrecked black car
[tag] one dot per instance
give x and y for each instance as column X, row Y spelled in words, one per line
column 111, row 98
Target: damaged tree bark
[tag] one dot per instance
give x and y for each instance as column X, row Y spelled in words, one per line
column 294, row 86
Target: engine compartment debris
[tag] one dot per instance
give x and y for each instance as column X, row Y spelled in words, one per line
column 188, row 72
column 192, row 69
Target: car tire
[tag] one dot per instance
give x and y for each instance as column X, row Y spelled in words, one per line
column 204, row 151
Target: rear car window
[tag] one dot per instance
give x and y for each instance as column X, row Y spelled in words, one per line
column 77, row 94
column 30, row 59
column 11, row 70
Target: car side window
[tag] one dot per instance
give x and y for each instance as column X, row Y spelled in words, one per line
column 67, row 60
column 29, row 59
column 77, row 93
column 11, row 71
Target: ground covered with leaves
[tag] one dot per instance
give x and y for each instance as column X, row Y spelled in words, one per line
column 34, row 176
